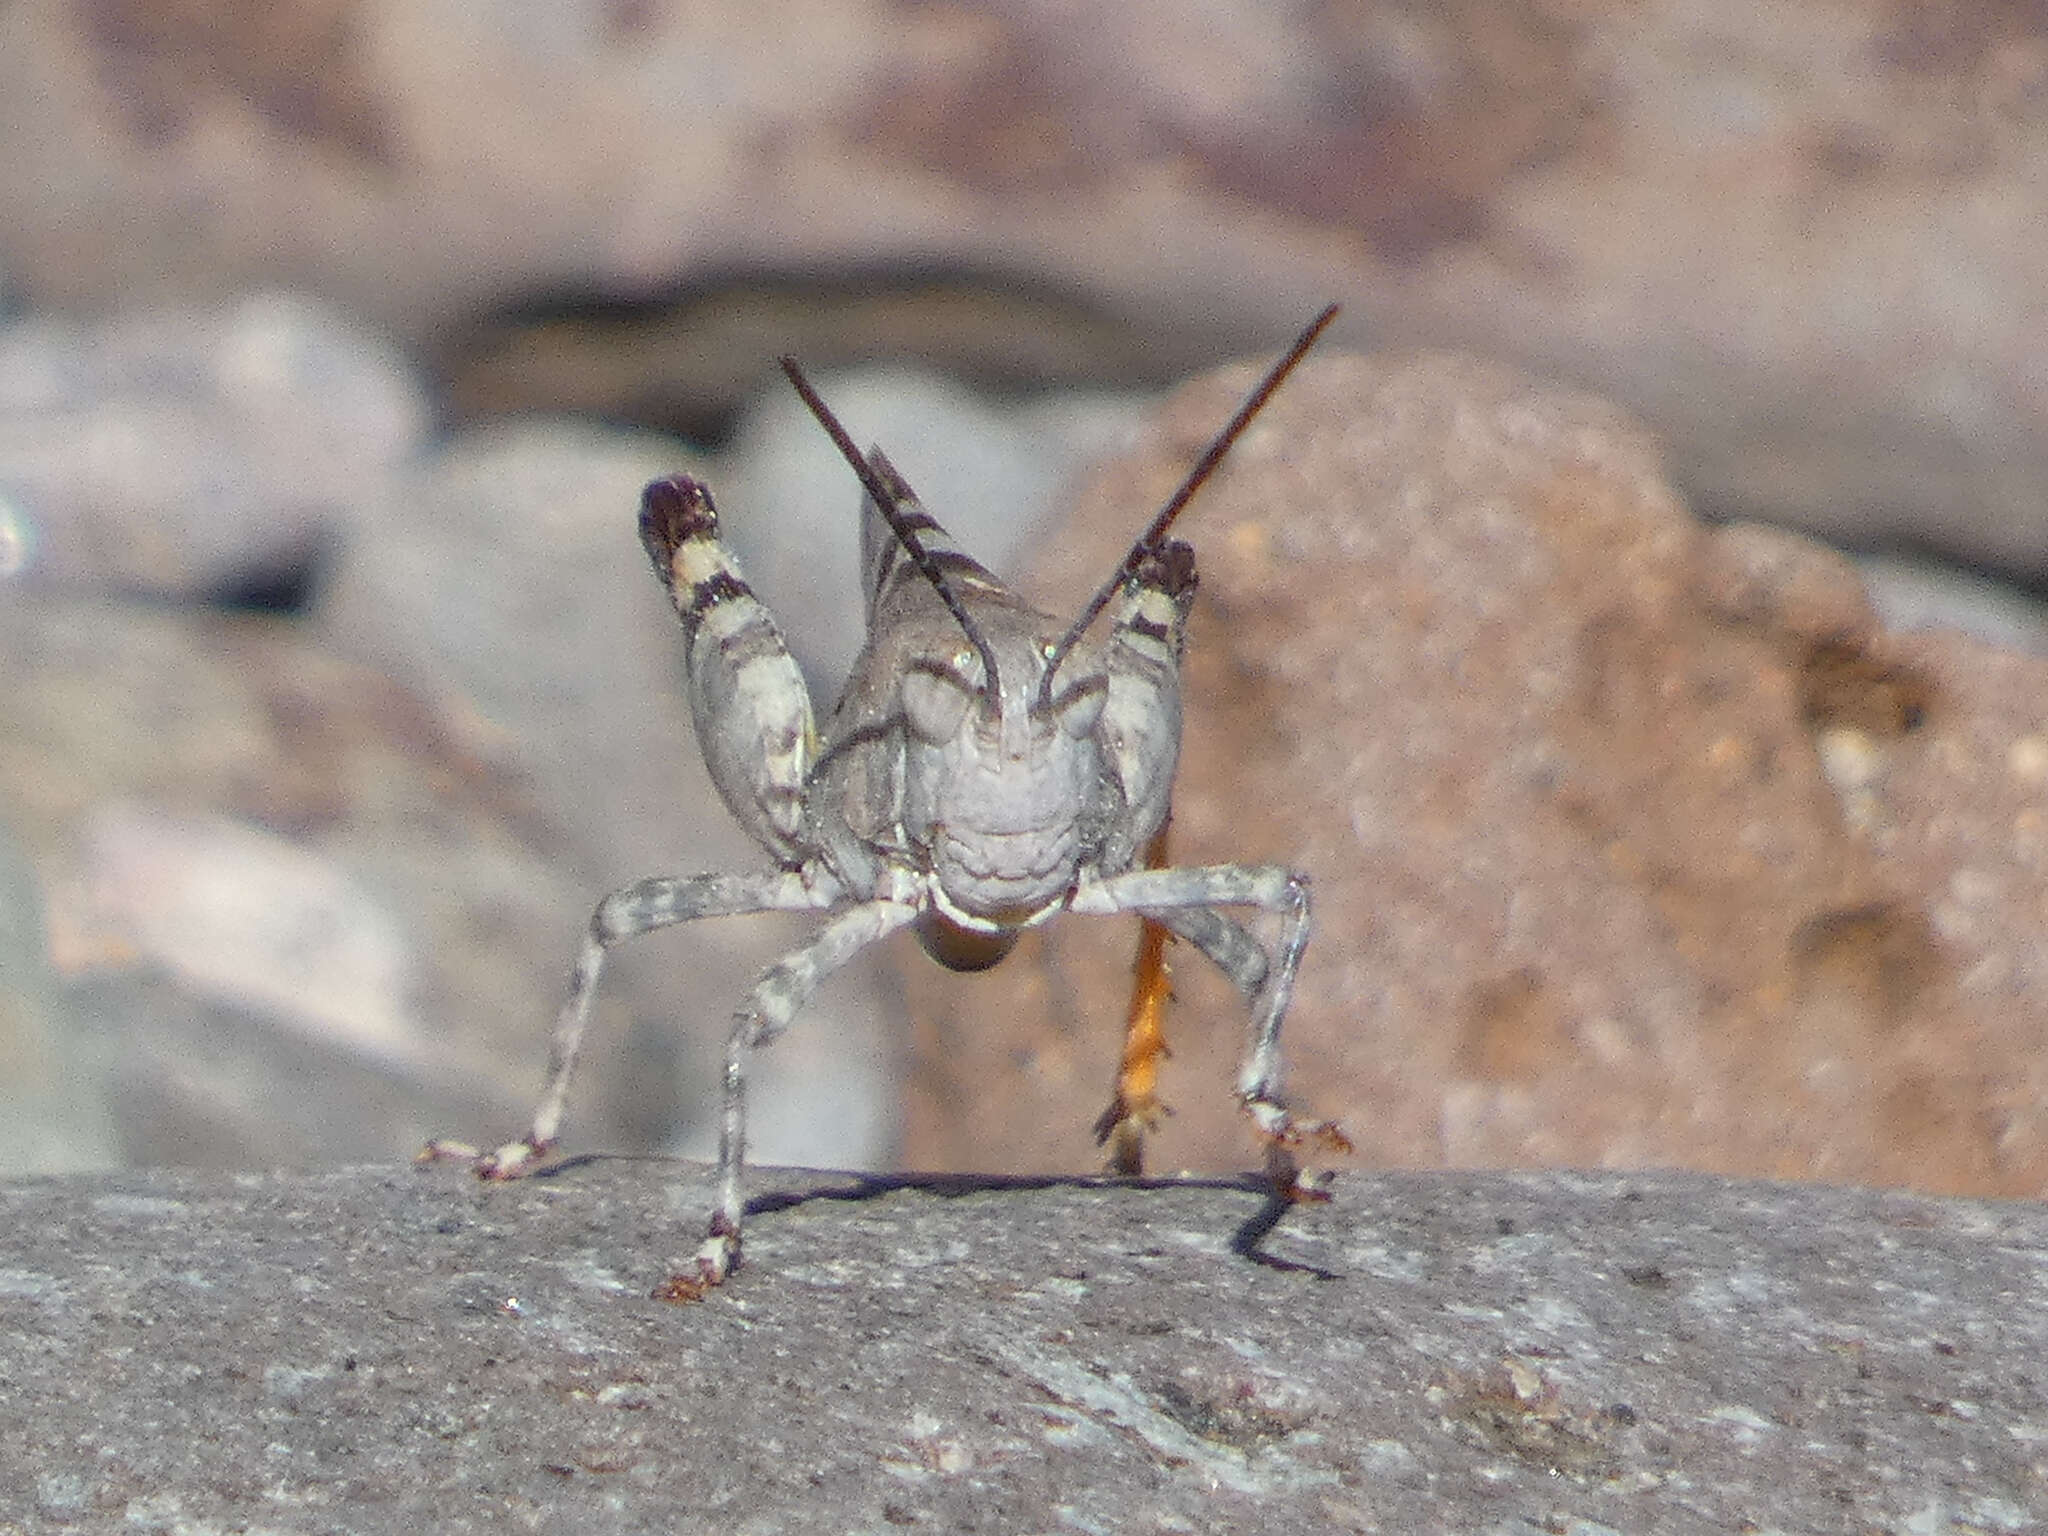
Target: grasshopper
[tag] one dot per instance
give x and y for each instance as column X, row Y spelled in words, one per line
column 985, row 768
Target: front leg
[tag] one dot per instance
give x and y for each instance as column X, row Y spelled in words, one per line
column 1187, row 902
column 639, row 908
column 747, row 697
column 775, row 1000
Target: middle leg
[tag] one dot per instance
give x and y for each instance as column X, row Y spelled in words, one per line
column 1186, row 901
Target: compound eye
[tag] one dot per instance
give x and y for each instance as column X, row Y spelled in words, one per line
column 935, row 701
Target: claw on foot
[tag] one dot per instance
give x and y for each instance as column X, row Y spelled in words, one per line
column 682, row 1289
column 514, row 1160
column 1134, row 1109
column 1284, row 1138
column 1123, row 1128
column 1290, row 1183
column 1324, row 1135
column 719, row 1257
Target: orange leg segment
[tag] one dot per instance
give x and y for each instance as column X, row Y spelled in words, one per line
column 1135, row 1107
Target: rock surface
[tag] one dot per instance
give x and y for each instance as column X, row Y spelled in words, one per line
column 1634, row 842
column 385, row 1350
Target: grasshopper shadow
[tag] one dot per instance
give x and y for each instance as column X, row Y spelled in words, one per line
column 1246, row 1242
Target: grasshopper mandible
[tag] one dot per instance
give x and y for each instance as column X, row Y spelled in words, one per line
column 984, row 769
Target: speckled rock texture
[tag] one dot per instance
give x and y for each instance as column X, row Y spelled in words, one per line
column 390, row 1350
column 1636, row 841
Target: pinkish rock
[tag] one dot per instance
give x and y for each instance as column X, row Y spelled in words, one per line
column 1634, row 843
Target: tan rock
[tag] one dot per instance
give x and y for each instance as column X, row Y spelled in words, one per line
column 1634, row 842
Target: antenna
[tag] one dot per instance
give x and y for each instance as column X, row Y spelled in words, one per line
column 884, row 497
column 1204, row 467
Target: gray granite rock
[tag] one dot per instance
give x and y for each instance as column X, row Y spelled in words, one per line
column 198, row 453
column 385, row 1350
column 507, row 574
column 275, row 881
column 53, row 1116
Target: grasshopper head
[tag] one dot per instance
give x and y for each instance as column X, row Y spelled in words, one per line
column 1005, row 774
column 1000, row 787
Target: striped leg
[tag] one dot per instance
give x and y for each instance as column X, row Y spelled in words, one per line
column 747, row 698
column 1141, row 716
column 1185, row 900
column 777, row 997
column 1141, row 730
column 626, row 914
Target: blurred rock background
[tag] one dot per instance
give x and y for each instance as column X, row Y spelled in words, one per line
column 338, row 339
